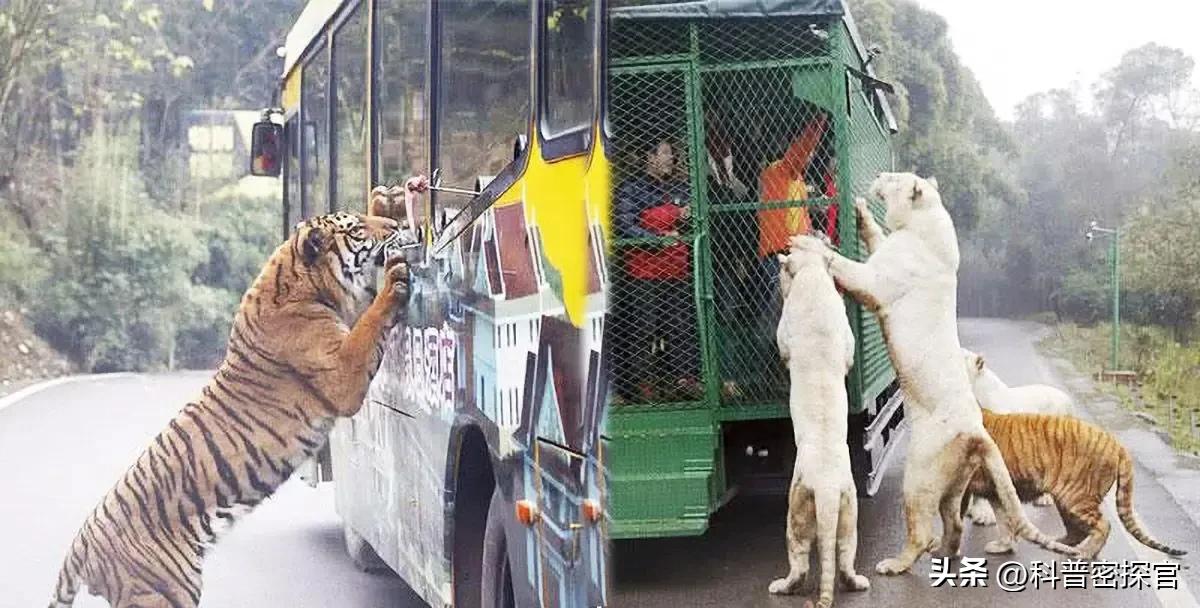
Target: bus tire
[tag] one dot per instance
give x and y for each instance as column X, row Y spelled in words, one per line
column 497, row 572
column 361, row 553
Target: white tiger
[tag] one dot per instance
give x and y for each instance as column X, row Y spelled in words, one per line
column 817, row 344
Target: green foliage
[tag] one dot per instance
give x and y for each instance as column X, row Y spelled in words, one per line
column 239, row 235
column 124, row 263
column 132, row 286
column 117, row 285
column 1163, row 265
column 1169, row 390
column 1085, row 296
column 21, row 265
column 948, row 129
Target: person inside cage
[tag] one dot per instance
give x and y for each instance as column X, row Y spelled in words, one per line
column 656, row 304
column 734, row 240
column 782, row 181
column 723, row 182
column 821, row 179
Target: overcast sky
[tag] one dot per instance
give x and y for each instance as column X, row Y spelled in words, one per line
column 1019, row 47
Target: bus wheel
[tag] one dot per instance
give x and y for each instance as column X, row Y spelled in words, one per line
column 361, row 553
column 497, row 573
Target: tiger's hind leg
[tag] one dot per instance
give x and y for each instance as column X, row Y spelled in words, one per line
column 950, row 508
column 801, row 528
column 1005, row 541
column 1098, row 528
column 1077, row 530
column 847, row 547
column 143, row 596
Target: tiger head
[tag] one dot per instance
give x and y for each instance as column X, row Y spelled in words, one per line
column 905, row 195
column 344, row 255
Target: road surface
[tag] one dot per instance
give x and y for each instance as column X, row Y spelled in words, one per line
column 63, row 447
column 744, row 548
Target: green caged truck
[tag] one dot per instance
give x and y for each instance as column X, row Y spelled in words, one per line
column 754, row 119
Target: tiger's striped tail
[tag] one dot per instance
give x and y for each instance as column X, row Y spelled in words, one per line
column 1007, row 493
column 68, row 577
column 1125, row 511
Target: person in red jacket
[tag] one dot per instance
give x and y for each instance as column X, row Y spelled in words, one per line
column 656, row 312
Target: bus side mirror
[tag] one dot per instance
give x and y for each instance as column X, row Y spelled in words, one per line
column 266, row 149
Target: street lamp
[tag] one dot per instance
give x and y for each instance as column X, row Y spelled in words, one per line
column 1114, row 261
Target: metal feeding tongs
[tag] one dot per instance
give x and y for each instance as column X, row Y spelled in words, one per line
column 435, row 184
column 435, row 181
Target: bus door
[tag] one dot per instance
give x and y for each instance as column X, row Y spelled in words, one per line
column 554, row 426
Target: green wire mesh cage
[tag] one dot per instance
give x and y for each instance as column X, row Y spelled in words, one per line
column 730, row 136
column 732, row 129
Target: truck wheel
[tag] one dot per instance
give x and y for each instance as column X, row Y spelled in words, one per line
column 361, row 553
column 497, row 573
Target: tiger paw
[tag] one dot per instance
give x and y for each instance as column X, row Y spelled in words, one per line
column 891, row 567
column 787, row 585
column 396, row 283
column 981, row 513
column 856, row 582
column 864, row 210
column 998, row 546
column 810, row 244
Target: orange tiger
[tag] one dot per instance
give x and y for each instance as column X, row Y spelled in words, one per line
column 1073, row 461
column 306, row 341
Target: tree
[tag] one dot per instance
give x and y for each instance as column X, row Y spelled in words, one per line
column 947, row 126
column 1150, row 83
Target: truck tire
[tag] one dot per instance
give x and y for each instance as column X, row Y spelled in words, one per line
column 497, row 572
column 361, row 553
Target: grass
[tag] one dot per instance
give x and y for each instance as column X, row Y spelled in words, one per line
column 1168, row 390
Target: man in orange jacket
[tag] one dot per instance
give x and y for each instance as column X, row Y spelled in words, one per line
column 783, row 181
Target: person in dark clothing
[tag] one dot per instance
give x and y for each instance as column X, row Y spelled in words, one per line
column 656, row 309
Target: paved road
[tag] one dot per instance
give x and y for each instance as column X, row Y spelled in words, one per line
column 744, row 549
column 62, row 448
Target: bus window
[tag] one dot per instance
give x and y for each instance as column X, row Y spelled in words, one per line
column 291, row 177
column 567, row 75
column 400, row 121
column 350, row 112
column 314, row 108
column 483, row 86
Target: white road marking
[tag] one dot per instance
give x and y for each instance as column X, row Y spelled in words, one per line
column 41, row 386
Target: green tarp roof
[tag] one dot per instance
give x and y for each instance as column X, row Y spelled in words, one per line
column 713, row 9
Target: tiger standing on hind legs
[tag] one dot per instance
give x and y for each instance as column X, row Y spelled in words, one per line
column 306, row 341
column 817, row 344
column 909, row 281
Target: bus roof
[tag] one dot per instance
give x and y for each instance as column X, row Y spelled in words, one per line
column 310, row 23
column 716, row 9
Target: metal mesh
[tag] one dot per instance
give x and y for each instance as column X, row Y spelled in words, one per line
column 757, row 114
column 655, row 323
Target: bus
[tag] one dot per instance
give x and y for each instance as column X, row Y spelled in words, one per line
column 475, row 468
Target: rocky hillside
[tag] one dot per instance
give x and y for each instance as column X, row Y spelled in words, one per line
column 26, row 358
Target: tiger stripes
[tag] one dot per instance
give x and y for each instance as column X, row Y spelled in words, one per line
column 1076, row 463
column 306, row 340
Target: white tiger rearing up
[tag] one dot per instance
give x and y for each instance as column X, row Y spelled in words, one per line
column 817, row 344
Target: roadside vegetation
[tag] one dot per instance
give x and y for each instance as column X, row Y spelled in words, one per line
column 113, row 249
column 1167, row 392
